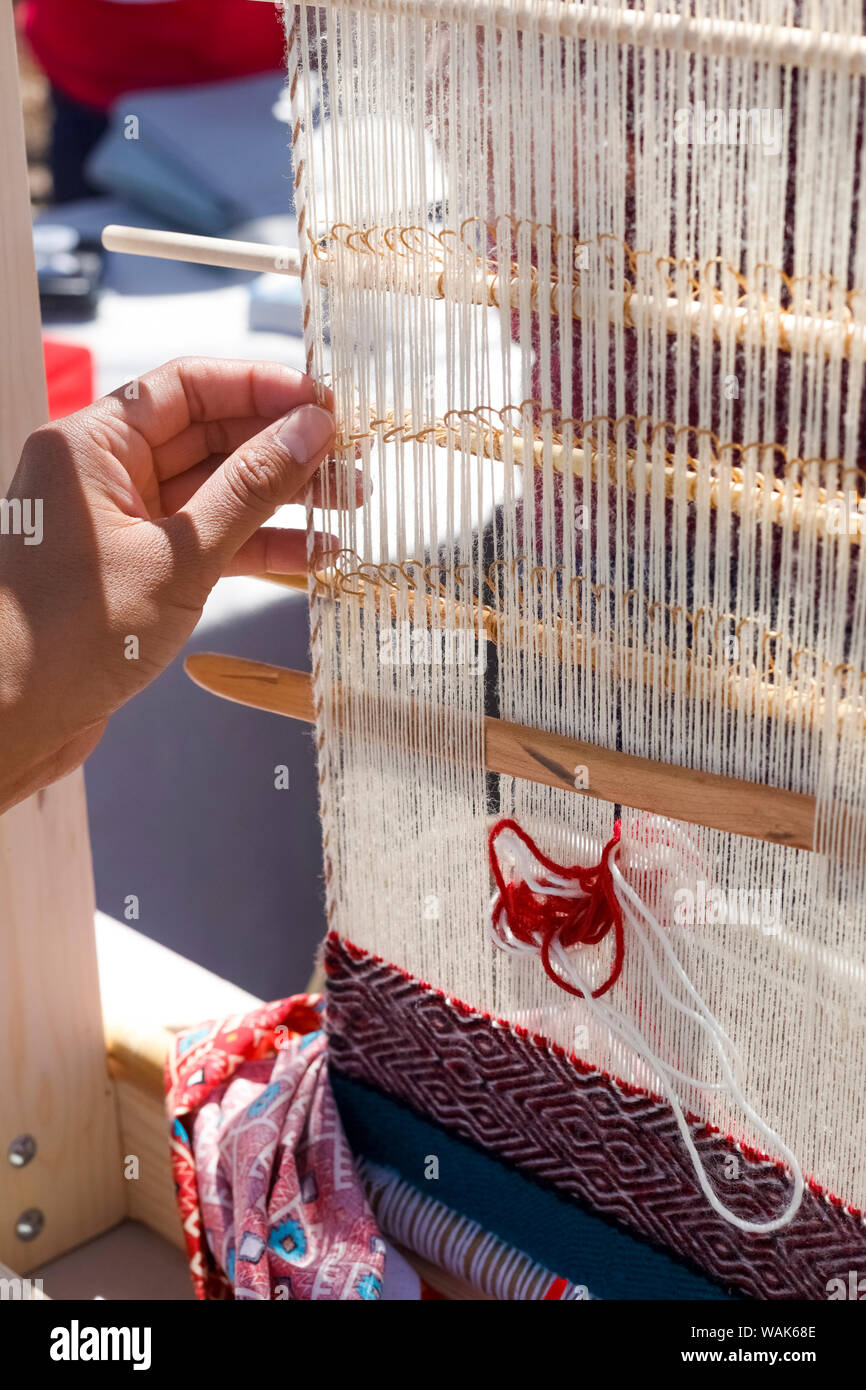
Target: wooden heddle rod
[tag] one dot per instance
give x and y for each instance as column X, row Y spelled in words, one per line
column 786, row 45
column 761, row 492
column 781, row 327
column 759, row 812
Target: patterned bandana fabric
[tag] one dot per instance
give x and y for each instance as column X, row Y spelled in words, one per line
column 270, row 1202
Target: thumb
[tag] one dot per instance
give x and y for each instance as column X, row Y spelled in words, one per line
column 266, row 471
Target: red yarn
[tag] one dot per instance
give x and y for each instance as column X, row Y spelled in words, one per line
column 582, row 921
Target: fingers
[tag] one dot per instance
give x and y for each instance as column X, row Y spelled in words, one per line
column 265, row 472
column 192, row 390
column 177, row 491
column 275, row 551
column 203, row 438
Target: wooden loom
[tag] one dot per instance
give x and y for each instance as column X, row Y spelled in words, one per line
column 84, row 1076
column 766, row 813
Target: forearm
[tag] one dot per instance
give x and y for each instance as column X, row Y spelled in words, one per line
column 25, row 759
column 13, row 767
column 28, row 776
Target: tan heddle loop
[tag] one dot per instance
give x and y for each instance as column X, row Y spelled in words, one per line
column 773, row 681
column 682, row 303
column 797, row 498
column 682, row 295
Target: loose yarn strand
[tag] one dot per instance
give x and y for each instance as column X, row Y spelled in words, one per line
column 527, row 916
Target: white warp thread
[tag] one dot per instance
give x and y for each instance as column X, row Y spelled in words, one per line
column 651, row 573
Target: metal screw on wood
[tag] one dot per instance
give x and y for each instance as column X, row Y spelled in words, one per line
column 21, row 1150
column 29, row 1224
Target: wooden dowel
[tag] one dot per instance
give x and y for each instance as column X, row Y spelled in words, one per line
column 785, row 45
column 768, row 327
column 761, row 498
column 202, row 250
column 700, row 798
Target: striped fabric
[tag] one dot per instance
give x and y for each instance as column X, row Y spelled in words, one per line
column 454, row 1243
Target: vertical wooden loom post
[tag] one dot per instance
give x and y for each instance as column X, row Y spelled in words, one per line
column 53, row 1079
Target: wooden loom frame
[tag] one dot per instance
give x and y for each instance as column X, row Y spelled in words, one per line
column 88, row 1007
column 81, row 1047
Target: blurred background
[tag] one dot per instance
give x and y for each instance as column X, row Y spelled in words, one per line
column 170, row 113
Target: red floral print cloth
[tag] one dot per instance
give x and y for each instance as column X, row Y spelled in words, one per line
column 270, row 1202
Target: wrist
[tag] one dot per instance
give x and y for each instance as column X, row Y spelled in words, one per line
column 19, row 760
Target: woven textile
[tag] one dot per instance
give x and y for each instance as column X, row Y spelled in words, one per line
column 579, row 1130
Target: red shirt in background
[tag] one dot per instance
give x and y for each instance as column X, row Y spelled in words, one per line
column 94, row 50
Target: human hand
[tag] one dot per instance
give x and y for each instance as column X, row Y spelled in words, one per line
column 147, row 497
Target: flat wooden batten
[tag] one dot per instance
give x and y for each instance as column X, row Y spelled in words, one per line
column 759, row 812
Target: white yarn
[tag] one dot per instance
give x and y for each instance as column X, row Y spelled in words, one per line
column 633, row 909
column 649, row 585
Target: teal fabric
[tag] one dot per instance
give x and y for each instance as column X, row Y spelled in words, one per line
column 561, row 1235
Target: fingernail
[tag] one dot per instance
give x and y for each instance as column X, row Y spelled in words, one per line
column 306, row 433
